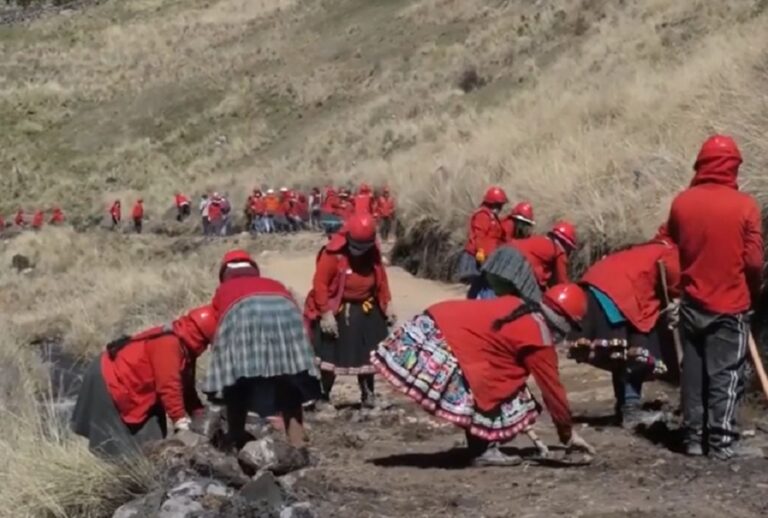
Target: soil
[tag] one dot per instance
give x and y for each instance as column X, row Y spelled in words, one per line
column 401, row 462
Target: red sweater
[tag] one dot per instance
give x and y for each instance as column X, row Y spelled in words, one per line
column 239, row 284
column 115, row 211
column 181, row 200
column 385, row 206
column 333, row 273
column 718, row 231
column 631, row 279
column 363, row 204
column 547, row 258
column 148, row 370
column 497, row 364
column 138, row 210
column 485, row 232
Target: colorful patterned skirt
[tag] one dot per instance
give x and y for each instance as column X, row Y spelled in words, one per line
column 417, row 360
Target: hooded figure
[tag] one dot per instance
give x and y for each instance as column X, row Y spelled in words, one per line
column 116, row 213
column 625, row 300
column 38, row 219
column 19, row 220
column 718, row 231
column 468, row 361
column 349, row 306
column 138, row 215
column 57, row 216
column 138, row 380
column 261, row 359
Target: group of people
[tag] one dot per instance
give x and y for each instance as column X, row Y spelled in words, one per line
column 469, row 360
column 36, row 221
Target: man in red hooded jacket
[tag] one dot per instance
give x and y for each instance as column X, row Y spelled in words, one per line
column 718, row 231
column 38, row 219
column 183, row 208
column 625, row 301
column 138, row 215
column 138, row 380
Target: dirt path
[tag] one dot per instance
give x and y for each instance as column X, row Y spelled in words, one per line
column 401, row 463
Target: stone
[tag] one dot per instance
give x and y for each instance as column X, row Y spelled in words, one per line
column 189, row 439
column 210, row 462
column 146, row 505
column 263, row 487
column 180, row 507
column 276, row 456
column 355, row 439
column 298, row 510
column 216, row 488
column 190, row 489
column 21, row 263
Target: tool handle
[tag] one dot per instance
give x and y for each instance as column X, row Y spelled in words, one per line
column 759, row 368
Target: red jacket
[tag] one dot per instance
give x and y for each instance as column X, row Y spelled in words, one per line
column 497, row 364
column 138, row 210
column 258, row 206
column 385, row 206
column 154, row 367
column 328, row 282
column 181, row 200
column 547, row 258
column 19, row 219
column 718, row 231
column 631, row 279
column 214, row 211
column 485, row 232
column 243, row 283
column 116, row 211
column 38, row 219
column 57, row 217
column 363, row 204
column 508, row 225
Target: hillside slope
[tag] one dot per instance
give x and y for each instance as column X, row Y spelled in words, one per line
column 590, row 108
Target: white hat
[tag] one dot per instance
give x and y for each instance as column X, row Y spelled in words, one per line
column 283, row 189
column 270, row 191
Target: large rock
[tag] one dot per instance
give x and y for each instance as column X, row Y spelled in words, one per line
column 188, row 439
column 147, row 505
column 180, row 507
column 210, row 462
column 299, row 510
column 263, row 488
column 276, row 456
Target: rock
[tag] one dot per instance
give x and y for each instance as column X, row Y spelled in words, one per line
column 147, row 505
column 190, row 489
column 276, row 456
column 210, row 462
column 216, row 488
column 263, row 488
column 299, row 510
column 355, row 439
column 180, row 507
column 21, row 263
column 189, row 439
column 305, row 483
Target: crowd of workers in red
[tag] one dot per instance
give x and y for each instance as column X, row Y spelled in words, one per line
column 35, row 220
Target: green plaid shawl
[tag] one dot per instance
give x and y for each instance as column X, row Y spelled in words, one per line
column 260, row 336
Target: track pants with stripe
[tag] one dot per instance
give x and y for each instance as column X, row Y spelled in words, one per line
column 714, row 357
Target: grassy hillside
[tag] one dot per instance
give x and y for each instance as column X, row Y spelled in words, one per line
column 592, row 109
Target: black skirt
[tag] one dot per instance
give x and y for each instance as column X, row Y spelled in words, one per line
column 359, row 334
column 273, row 395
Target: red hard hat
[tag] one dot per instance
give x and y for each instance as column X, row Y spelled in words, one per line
column 718, row 146
column 567, row 299
column 236, row 256
column 523, row 211
column 197, row 329
column 495, row 196
column 205, row 319
column 361, row 227
column 565, row 231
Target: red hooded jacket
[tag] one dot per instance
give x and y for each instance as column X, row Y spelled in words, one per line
column 631, row 279
column 258, row 206
column 156, row 366
column 485, row 232
column 497, row 364
column 181, row 200
column 385, row 206
column 241, row 283
column 38, row 219
column 116, row 211
column 19, row 219
column 546, row 257
column 138, row 210
column 57, row 217
column 718, row 231
column 363, row 203
column 333, row 276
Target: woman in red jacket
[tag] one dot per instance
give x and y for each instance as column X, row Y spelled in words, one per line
column 349, row 305
column 468, row 361
column 261, row 359
column 548, row 255
column 485, row 234
column 519, row 222
column 625, row 301
column 129, row 389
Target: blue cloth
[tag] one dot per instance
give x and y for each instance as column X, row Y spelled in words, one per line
column 480, row 289
column 612, row 312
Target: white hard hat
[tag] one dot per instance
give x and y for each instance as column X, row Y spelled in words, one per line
column 270, row 191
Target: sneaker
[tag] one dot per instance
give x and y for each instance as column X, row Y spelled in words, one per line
column 736, row 452
column 694, row 449
column 495, row 457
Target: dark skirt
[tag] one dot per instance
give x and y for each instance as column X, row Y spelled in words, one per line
column 271, row 396
column 359, row 334
column 96, row 418
column 467, row 269
column 611, row 346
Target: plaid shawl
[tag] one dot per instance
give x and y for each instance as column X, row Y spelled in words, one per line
column 509, row 272
column 260, row 336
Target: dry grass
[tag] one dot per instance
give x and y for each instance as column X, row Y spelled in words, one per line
column 592, row 109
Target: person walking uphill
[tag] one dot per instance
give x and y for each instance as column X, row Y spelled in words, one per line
column 183, row 208
column 625, row 301
column 116, row 214
column 484, row 236
column 385, row 207
column 718, row 231
column 467, row 361
column 261, row 359
column 548, row 255
column 138, row 215
column 349, row 305
column 128, row 390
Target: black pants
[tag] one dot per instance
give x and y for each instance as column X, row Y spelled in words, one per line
column 364, row 381
column 137, row 225
column 385, row 227
column 183, row 213
column 714, row 356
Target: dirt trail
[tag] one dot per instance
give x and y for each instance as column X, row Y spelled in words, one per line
column 401, row 463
